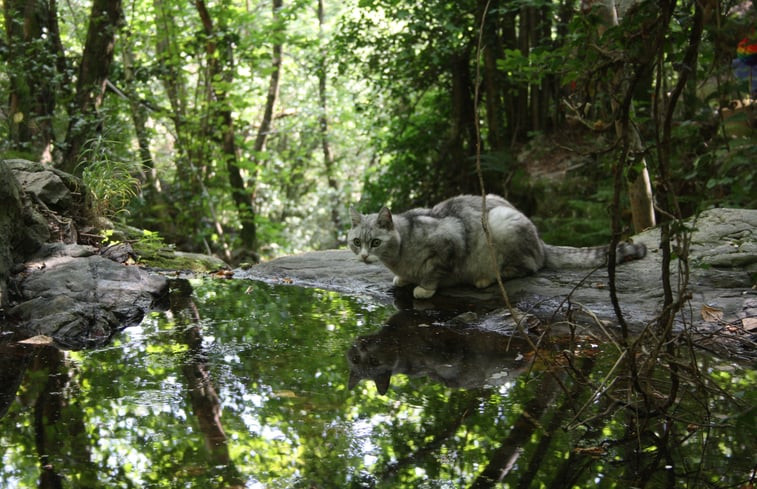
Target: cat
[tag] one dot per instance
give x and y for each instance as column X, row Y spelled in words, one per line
column 458, row 357
column 446, row 245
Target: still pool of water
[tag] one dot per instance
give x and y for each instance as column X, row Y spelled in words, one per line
column 245, row 384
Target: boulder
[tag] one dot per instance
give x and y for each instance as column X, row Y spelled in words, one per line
column 66, row 292
column 80, row 298
column 54, row 188
column 22, row 229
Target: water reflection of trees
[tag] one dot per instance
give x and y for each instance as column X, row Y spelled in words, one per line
column 587, row 416
column 206, row 405
column 274, row 361
column 60, row 437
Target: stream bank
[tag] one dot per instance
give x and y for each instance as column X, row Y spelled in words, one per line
column 57, row 280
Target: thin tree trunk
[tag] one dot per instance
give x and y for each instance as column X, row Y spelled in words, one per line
column 60, row 432
column 139, row 117
column 273, row 84
column 323, row 123
column 265, row 124
column 492, row 79
column 524, row 45
column 220, row 61
column 104, row 22
column 203, row 397
column 503, row 459
column 639, row 183
column 509, row 41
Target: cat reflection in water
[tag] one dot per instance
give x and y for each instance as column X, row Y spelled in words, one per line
column 446, row 245
column 457, row 357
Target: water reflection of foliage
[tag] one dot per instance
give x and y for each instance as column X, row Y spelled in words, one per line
column 275, row 360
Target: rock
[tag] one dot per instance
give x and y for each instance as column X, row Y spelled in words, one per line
column 53, row 187
column 22, row 229
column 119, row 253
column 725, row 238
column 337, row 270
column 67, row 292
column 79, row 298
column 197, row 262
column 723, row 254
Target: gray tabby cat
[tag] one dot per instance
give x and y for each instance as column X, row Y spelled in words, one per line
column 446, row 245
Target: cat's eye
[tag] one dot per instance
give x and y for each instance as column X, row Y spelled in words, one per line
column 375, row 243
column 356, row 242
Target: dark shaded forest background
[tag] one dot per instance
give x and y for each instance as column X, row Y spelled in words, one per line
column 243, row 128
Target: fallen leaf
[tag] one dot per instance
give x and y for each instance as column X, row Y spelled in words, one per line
column 711, row 314
column 37, row 340
column 750, row 324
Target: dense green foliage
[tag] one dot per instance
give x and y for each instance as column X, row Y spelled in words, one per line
column 252, row 126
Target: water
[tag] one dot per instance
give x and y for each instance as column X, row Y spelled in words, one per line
column 243, row 384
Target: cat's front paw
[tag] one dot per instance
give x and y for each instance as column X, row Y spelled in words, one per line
column 399, row 281
column 423, row 293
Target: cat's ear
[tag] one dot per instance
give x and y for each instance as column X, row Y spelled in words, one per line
column 356, row 217
column 382, row 382
column 384, row 219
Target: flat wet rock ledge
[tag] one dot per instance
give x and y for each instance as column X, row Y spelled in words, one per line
column 722, row 269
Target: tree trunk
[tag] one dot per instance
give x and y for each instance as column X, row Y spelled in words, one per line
column 492, row 78
column 639, row 183
column 503, row 459
column 509, row 41
column 521, row 101
column 139, row 117
column 33, row 56
column 220, row 61
column 273, row 90
column 61, row 436
column 84, row 121
column 273, row 83
column 323, row 123
column 453, row 163
column 203, row 397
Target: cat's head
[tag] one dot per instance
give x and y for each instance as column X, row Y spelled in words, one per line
column 373, row 236
column 368, row 359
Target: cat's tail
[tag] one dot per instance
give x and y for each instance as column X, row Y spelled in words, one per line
column 558, row 257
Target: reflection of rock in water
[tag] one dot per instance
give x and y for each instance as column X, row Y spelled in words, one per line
column 457, row 356
column 13, row 362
